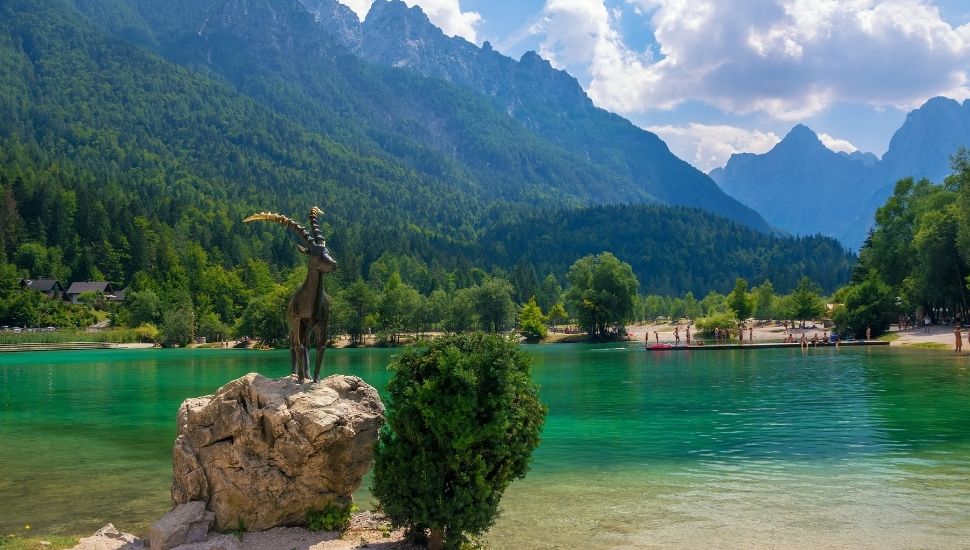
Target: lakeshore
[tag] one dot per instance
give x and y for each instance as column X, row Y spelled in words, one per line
column 771, row 335
column 938, row 337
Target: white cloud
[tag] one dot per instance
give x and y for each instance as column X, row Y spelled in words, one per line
column 790, row 59
column 837, row 144
column 710, row 146
column 360, row 7
column 446, row 14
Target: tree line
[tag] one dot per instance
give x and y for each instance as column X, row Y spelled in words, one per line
column 916, row 260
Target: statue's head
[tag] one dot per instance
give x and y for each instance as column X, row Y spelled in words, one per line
column 316, row 249
column 314, row 246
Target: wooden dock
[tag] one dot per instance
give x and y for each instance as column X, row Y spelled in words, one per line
column 767, row 345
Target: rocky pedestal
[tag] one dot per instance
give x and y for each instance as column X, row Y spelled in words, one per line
column 262, row 453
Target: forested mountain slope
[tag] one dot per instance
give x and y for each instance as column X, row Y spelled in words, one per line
column 546, row 100
column 275, row 52
column 116, row 163
column 520, row 128
column 672, row 249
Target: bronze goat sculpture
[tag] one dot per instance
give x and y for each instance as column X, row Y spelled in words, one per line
column 309, row 309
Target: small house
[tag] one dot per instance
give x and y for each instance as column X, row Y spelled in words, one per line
column 98, row 287
column 51, row 288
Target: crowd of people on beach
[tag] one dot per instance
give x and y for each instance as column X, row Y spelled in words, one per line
column 744, row 335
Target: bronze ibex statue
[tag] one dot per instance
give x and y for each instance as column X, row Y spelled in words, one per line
column 309, row 309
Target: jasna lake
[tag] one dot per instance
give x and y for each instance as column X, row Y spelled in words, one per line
column 825, row 448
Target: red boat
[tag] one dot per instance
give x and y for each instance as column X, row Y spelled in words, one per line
column 655, row 347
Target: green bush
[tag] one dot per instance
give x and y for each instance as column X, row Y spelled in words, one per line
column 147, row 332
column 178, row 327
column 532, row 323
column 331, row 518
column 870, row 303
column 463, row 418
column 706, row 325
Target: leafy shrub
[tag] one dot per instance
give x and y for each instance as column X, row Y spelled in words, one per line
column 870, row 303
column 532, row 323
column 147, row 332
column 706, row 325
column 463, row 418
column 332, row 518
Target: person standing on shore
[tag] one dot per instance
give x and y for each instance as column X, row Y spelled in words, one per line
column 926, row 324
column 868, row 333
column 750, row 335
column 677, row 335
column 958, row 334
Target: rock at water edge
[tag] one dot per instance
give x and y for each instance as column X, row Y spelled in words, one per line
column 262, row 453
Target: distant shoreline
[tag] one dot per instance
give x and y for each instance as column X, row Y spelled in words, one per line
column 937, row 337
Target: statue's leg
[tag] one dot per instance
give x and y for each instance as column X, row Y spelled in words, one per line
column 321, row 349
column 306, row 353
column 294, row 345
column 294, row 354
column 299, row 352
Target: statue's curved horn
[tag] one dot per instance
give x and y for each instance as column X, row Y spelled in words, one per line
column 282, row 220
column 315, row 225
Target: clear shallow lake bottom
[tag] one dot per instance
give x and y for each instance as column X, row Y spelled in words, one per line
column 848, row 448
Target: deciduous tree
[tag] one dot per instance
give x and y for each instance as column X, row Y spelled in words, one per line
column 601, row 292
column 532, row 323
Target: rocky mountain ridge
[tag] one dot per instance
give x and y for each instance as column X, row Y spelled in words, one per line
column 804, row 188
column 546, row 100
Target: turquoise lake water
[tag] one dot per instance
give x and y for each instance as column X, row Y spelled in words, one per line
column 848, row 448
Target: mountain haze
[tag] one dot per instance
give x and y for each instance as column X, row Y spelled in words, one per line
column 797, row 172
column 804, row 188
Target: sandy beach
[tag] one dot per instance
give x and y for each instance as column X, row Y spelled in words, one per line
column 936, row 337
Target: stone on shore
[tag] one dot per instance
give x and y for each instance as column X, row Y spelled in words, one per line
column 263, row 453
column 186, row 523
column 109, row 538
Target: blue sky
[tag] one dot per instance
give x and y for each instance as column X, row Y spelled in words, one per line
column 715, row 77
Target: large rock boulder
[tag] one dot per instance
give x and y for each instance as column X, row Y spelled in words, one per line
column 262, row 453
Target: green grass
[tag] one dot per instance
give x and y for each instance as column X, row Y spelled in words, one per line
column 930, row 345
column 32, row 542
column 889, row 337
column 121, row 336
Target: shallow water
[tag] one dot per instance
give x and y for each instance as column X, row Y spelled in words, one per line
column 849, row 448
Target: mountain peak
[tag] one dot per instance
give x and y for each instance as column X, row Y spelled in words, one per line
column 531, row 57
column 800, row 140
column 342, row 21
column 802, row 134
column 396, row 9
column 922, row 146
column 939, row 103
